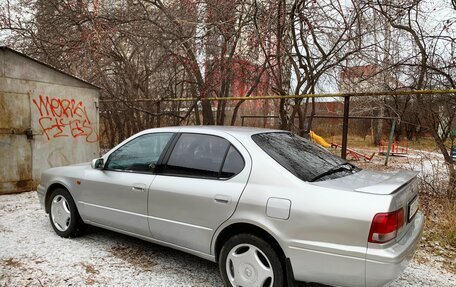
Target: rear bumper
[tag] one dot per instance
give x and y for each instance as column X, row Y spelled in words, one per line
column 41, row 192
column 327, row 268
column 378, row 266
column 383, row 265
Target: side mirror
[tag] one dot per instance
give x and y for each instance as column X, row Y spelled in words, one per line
column 97, row 163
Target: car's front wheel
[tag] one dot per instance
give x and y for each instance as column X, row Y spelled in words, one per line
column 64, row 216
column 247, row 260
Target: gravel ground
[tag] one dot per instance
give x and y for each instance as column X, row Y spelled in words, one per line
column 31, row 254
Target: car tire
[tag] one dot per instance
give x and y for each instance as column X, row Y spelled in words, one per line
column 63, row 214
column 248, row 260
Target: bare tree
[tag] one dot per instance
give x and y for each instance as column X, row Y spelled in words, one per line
column 434, row 69
column 324, row 35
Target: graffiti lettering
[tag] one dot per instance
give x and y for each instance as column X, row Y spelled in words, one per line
column 64, row 118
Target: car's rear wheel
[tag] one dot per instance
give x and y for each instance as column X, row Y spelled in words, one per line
column 64, row 216
column 247, row 260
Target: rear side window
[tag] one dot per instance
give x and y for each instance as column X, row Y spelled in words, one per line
column 199, row 155
column 299, row 156
column 234, row 163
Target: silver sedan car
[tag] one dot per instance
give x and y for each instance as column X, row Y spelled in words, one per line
column 268, row 206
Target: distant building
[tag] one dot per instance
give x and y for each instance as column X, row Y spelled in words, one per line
column 361, row 78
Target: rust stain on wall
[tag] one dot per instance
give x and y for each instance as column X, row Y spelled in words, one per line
column 16, row 168
column 14, row 112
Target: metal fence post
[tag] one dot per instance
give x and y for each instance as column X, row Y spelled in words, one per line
column 345, row 127
column 390, row 142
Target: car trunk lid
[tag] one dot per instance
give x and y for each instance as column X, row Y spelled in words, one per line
column 371, row 182
column 400, row 187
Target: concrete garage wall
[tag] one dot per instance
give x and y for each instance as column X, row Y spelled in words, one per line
column 58, row 112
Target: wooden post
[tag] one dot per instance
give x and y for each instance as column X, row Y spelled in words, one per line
column 345, row 127
column 157, row 108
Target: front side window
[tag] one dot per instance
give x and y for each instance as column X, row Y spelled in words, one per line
column 303, row 158
column 199, row 155
column 140, row 154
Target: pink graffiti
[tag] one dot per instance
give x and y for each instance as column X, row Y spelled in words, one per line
column 64, row 118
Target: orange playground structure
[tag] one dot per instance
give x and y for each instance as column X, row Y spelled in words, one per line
column 396, row 149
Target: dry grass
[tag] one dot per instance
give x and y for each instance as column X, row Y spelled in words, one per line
column 449, row 225
column 439, row 236
column 425, row 144
column 353, row 141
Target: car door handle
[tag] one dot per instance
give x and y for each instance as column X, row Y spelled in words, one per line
column 222, row 199
column 139, row 187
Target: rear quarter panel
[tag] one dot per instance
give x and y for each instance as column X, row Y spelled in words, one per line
column 326, row 234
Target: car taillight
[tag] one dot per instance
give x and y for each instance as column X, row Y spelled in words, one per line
column 386, row 226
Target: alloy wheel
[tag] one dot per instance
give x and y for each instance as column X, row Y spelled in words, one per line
column 60, row 213
column 247, row 265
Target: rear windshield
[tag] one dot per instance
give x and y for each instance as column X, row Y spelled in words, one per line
column 301, row 157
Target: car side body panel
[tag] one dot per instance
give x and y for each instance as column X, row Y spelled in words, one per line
column 200, row 205
column 113, row 199
column 322, row 227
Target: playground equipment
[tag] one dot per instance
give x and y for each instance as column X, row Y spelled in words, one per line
column 396, row 148
column 321, row 141
column 352, row 153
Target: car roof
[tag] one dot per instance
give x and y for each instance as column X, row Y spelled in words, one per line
column 232, row 130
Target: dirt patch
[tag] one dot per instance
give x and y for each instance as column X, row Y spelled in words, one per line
column 134, row 255
column 91, row 272
column 4, row 229
column 11, row 262
column 90, row 269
